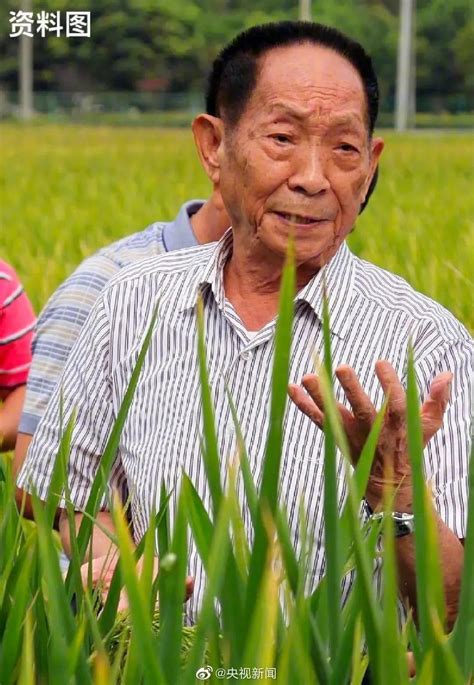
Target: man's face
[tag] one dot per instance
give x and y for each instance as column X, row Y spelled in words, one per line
column 300, row 159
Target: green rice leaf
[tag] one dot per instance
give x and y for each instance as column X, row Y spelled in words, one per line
column 429, row 588
column 199, row 520
column 217, row 564
column 27, row 672
column 42, row 656
column 163, row 529
column 364, row 565
column 341, row 665
column 359, row 663
column 231, row 595
column 61, row 621
column 249, row 485
column 331, row 514
column 395, row 662
column 463, row 632
column 133, row 671
column 109, row 611
column 241, row 547
column 13, row 634
column 139, row 612
column 273, row 452
column 57, row 477
column 261, row 637
column 171, row 584
column 290, row 562
column 211, row 450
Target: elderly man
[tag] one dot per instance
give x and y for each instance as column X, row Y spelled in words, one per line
column 288, row 142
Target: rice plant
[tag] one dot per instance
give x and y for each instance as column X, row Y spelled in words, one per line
column 257, row 621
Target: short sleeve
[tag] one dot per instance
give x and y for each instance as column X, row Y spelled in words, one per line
column 17, row 321
column 86, row 388
column 446, row 456
column 57, row 330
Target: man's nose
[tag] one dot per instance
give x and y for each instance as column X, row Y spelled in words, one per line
column 309, row 172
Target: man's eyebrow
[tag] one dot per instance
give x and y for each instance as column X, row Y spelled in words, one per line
column 352, row 119
column 287, row 110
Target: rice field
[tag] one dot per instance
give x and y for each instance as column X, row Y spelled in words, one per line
column 67, row 190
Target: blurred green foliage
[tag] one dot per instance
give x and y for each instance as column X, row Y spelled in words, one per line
column 175, row 43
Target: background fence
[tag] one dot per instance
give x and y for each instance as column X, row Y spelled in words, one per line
column 178, row 109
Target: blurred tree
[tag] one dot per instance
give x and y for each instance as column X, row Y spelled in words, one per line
column 373, row 25
column 440, row 73
column 170, row 44
column 463, row 49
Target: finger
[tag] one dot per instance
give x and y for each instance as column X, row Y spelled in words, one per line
column 362, row 407
column 189, row 588
column 350, row 425
column 411, row 664
column 306, row 404
column 123, row 600
column 434, row 407
column 356, row 436
column 347, row 417
column 348, row 420
column 99, row 569
column 393, row 390
column 90, row 571
column 311, row 384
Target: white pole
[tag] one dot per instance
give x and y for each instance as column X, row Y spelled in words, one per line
column 26, row 71
column 412, row 107
column 305, row 10
column 403, row 65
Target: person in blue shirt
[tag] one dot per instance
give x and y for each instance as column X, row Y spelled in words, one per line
column 60, row 322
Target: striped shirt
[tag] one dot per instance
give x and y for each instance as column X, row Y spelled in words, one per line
column 373, row 313
column 66, row 311
column 17, row 321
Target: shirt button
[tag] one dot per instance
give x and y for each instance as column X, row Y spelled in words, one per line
column 246, row 355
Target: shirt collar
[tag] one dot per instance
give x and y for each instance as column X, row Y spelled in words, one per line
column 337, row 276
column 178, row 234
column 210, row 274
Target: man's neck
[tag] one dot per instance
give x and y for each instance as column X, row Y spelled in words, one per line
column 208, row 224
column 252, row 285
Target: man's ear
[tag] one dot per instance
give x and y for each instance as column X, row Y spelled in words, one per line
column 376, row 149
column 208, row 134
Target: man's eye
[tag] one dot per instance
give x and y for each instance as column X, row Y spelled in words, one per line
column 280, row 138
column 347, row 147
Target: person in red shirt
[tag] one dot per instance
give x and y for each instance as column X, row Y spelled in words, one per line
column 17, row 321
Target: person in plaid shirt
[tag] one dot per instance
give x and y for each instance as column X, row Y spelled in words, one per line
column 17, row 321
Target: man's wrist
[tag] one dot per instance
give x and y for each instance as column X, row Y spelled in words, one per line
column 403, row 503
column 402, row 499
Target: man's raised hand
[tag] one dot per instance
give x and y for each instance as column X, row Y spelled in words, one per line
column 391, row 453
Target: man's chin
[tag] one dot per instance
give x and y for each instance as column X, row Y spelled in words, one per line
column 314, row 259
column 309, row 247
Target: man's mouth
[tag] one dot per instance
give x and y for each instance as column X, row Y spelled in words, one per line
column 302, row 219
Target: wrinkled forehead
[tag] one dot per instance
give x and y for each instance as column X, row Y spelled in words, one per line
column 309, row 80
